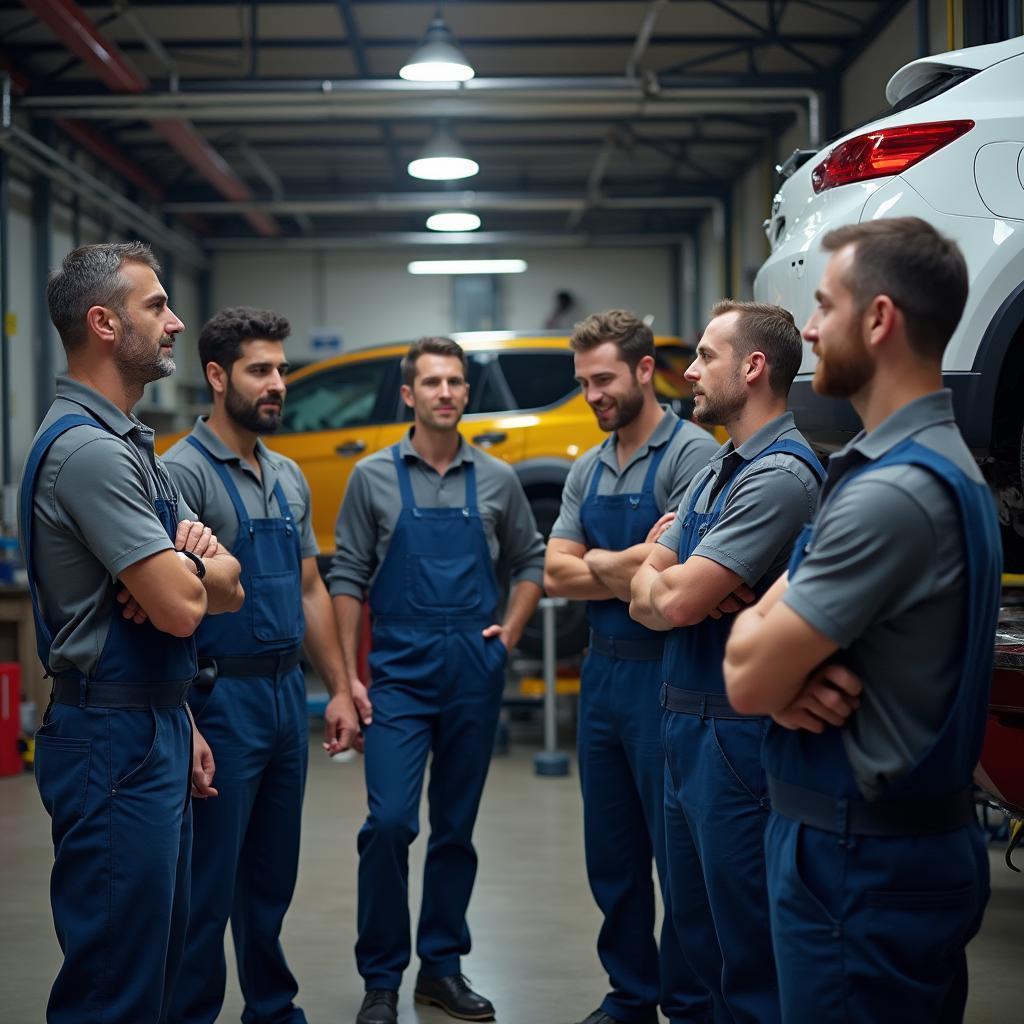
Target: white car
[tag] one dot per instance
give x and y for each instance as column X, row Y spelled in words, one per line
column 951, row 150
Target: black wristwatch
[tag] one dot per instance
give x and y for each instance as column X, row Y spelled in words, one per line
column 199, row 564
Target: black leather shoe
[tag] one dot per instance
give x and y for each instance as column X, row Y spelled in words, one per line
column 380, row 1006
column 454, row 996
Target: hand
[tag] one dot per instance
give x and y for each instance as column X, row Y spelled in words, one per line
column 203, row 767
column 829, row 697
column 503, row 634
column 734, row 602
column 361, row 699
column 195, row 537
column 660, row 527
column 341, row 726
column 132, row 609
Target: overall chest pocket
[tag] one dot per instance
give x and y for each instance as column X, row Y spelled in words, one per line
column 443, row 583
column 276, row 607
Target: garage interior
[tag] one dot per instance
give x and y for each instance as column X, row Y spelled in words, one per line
column 627, row 152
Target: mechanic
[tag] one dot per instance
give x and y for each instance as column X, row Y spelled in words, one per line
column 877, row 868
column 120, row 575
column 250, row 698
column 731, row 539
column 614, row 506
column 424, row 524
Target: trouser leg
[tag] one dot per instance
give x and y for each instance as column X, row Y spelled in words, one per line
column 463, row 742
column 114, row 784
column 397, row 745
column 268, row 866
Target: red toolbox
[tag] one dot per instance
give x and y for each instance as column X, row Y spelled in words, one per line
column 10, row 718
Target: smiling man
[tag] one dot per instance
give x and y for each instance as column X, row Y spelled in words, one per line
column 614, row 506
column 251, row 692
column 424, row 525
column 731, row 538
column 878, row 870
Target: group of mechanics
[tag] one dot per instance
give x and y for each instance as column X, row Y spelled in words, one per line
column 781, row 706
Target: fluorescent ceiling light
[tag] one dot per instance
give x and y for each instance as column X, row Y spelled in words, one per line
column 437, row 58
column 443, row 159
column 453, row 220
column 467, row 266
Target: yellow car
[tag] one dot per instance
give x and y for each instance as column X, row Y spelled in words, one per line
column 524, row 407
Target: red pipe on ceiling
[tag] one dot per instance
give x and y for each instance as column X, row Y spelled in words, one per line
column 71, row 25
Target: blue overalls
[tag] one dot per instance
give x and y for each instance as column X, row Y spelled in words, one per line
column 436, row 686
column 113, row 765
column 246, row 845
column 872, row 904
column 716, row 800
column 622, row 769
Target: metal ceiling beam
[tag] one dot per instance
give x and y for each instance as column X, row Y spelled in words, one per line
column 583, row 99
column 73, row 28
column 182, row 46
column 410, row 240
column 418, row 202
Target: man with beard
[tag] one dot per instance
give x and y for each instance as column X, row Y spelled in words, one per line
column 250, row 696
column 425, row 524
column 120, row 574
column 732, row 536
column 877, row 868
column 613, row 508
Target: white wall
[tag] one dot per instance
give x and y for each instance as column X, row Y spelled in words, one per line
column 371, row 297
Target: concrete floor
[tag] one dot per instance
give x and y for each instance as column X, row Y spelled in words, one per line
column 532, row 917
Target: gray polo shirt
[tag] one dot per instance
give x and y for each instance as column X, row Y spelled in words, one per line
column 373, row 502
column 94, row 518
column 765, row 510
column 688, row 452
column 202, row 488
column 885, row 580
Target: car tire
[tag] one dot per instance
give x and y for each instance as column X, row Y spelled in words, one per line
column 573, row 630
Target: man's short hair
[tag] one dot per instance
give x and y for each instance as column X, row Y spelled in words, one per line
column 761, row 327
column 922, row 271
column 222, row 336
column 633, row 338
column 91, row 276
column 434, row 346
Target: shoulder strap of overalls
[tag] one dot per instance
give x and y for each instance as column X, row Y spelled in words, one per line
column 44, row 637
column 659, row 453
column 225, row 477
column 782, row 446
column 595, row 476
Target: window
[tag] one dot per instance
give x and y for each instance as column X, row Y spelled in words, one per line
column 344, row 396
column 538, row 379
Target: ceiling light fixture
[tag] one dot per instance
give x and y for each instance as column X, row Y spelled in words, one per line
column 443, row 158
column 467, row 266
column 437, row 58
column 453, row 220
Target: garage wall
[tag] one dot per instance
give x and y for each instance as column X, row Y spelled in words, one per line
column 370, row 297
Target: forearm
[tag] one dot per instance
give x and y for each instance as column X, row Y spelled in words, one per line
column 348, row 616
column 570, row 576
column 321, row 640
column 521, row 605
column 616, row 569
column 641, row 608
column 224, row 592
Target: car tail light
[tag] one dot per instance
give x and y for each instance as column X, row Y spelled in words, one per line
column 885, row 151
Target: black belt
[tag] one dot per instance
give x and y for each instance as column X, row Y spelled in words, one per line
column 910, row 817
column 704, row 705
column 264, row 665
column 71, row 688
column 628, row 650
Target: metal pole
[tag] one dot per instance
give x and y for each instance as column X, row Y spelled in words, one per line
column 5, row 341
column 550, row 761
